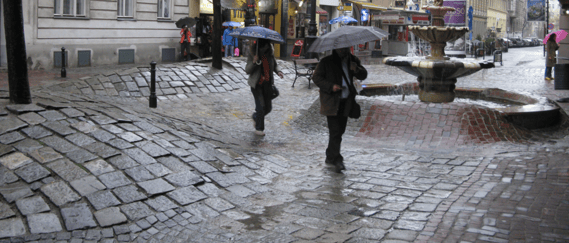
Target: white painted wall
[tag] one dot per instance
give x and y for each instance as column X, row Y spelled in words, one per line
column 330, row 2
column 101, row 32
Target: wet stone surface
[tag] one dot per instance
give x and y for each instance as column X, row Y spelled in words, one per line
column 217, row 182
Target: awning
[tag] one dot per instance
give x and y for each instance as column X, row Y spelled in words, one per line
column 368, row 5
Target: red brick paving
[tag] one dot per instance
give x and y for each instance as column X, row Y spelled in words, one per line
column 424, row 125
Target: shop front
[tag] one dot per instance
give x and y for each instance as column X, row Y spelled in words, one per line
column 364, row 13
column 396, row 22
column 298, row 23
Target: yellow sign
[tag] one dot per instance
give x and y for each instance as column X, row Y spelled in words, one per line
column 206, row 7
column 344, row 8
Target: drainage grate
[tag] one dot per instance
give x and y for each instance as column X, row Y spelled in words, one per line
column 83, row 58
column 57, row 59
column 126, row 56
column 168, row 54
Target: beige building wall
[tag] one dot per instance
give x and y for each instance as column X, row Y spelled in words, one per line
column 101, row 31
column 497, row 16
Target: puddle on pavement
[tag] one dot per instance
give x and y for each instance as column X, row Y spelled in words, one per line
column 256, row 221
column 415, row 98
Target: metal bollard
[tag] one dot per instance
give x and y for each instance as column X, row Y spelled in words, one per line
column 152, row 98
column 63, row 72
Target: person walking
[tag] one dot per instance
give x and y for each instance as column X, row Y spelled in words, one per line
column 551, row 47
column 228, row 42
column 185, row 43
column 334, row 76
column 260, row 67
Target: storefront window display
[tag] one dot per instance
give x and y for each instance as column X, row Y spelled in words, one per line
column 323, row 28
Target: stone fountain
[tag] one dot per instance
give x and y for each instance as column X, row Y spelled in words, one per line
column 437, row 73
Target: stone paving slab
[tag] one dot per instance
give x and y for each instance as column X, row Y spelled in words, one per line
column 12, row 227
column 15, row 160
column 32, row 172
column 32, row 205
column 59, row 193
column 44, row 223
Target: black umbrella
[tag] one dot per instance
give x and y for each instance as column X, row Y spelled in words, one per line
column 186, row 21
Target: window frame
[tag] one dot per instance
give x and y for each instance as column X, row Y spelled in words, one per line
column 160, row 12
column 59, row 11
column 132, row 9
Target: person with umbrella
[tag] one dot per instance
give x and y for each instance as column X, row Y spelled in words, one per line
column 229, row 42
column 261, row 64
column 334, row 75
column 185, row 43
column 551, row 47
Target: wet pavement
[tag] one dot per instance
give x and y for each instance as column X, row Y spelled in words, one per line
column 88, row 161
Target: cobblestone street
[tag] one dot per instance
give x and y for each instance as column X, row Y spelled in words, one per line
column 88, row 161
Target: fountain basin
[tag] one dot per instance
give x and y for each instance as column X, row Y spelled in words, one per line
column 521, row 110
column 437, row 69
column 438, row 34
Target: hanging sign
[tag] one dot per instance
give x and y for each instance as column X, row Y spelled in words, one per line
column 365, row 15
column 456, row 17
column 206, row 7
column 536, row 10
column 345, row 7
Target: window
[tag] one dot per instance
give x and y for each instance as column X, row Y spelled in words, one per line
column 164, row 9
column 125, row 9
column 69, row 8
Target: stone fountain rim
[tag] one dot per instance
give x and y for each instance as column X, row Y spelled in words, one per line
column 488, row 94
column 435, row 63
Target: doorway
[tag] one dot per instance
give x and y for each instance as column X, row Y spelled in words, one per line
column 267, row 21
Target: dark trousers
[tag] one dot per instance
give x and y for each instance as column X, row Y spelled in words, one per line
column 185, row 47
column 548, row 72
column 336, row 128
column 263, row 104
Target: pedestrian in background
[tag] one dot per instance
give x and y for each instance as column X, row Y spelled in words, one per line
column 334, row 76
column 185, row 43
column 261, row 64
column 229, row 42
column 551, row 48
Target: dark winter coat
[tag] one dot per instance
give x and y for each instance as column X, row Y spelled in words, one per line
column 329, row 72
column 551, row 47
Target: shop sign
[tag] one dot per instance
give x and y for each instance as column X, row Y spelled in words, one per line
column 267, row 6
column 345, row 7
column 390, row 19
column 420, row 19
column 365, row 15
column 206, row 7
column 458, row 16
column 291, row 25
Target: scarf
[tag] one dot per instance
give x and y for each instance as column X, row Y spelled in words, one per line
column 266, row 70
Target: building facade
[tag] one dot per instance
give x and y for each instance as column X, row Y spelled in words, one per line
column 497, row 18
column 518, row 17
column 479, row 18
column 100, row 32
